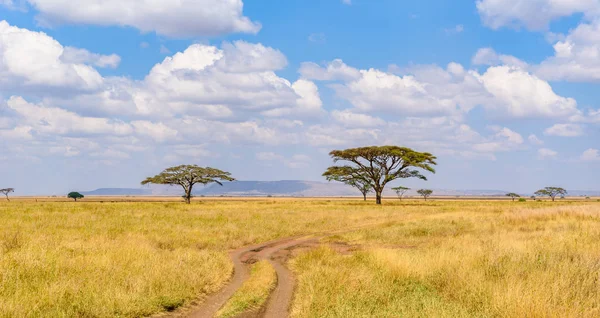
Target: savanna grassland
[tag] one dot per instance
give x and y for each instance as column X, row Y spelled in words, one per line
column 415, row 259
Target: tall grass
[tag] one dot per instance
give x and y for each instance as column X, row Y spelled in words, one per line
column 471, row 260
column 132, row 259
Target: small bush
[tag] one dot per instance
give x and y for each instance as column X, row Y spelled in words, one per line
column 522, row 200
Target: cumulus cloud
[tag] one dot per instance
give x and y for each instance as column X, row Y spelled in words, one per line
column 429, row 90
column 488, row 56
column 334, row 70
column 72, row 55
column 184, row 18
column 532, row 14
column 590, row 155
column 520, row 94
column 576, row 57
column 34, row 60
column 565, row 130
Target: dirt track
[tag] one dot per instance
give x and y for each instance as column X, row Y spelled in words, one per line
column 281, row 297
column 277, row 252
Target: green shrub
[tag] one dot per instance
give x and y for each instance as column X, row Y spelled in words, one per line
column 522, row 200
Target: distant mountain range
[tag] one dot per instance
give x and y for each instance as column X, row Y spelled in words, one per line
column 288, row 188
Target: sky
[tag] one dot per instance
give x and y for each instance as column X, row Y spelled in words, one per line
column 105, row 93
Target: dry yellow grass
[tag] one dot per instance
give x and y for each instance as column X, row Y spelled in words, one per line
column 461, row 260
column 132, row 259
column 253, row 293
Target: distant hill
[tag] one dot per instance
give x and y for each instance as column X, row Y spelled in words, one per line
column 117, row 192
column 291, row 188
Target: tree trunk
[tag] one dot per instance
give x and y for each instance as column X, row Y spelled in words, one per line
column 378, row 197
column 188, row 194
column 365, row 196
column 7, row 199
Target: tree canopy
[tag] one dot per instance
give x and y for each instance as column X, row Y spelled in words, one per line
column 187, row 176
column 425, row 193
column 6, row 192
column 75, row 196
column 400, row 191
column 379, row 165
column 513, row 195
column 350, row 176
column 551, row 192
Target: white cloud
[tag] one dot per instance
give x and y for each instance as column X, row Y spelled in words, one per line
column 72, row 55
column 347, row 2
column 335, row 70
column 183, row 18
column 57, row 121
column 591, row 155
column 428, row 90
column 533, row 139
column 544, row 153
column 565, row 130
column 532, row 14
column 33, row 59
column 349, row 119
column 487, row 56
column 519, row 94
column 576, row 57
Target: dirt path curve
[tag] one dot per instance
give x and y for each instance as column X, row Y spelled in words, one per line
column 280, row 299
column 240, row 258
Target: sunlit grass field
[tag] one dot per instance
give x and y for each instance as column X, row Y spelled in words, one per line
column 434, row 259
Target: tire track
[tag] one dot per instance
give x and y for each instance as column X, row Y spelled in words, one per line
column 277, row 306
column 240, row 258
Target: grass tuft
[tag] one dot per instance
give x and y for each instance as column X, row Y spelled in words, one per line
column 254, row 292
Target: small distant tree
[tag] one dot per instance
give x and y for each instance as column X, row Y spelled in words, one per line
column 75, row 196
column 425, row 193
column 380, row 165
column 6, row 192
column 187, row 176
column 513, row 195
column 551, row 192
column 400, row 191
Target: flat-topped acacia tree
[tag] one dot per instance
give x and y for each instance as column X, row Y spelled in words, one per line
column 513, row 195
column 425, row 193
column 551, row 192
column 189, row 175
column 350, row 176
column 400, row 191
column 379, row 165
column 6, row 192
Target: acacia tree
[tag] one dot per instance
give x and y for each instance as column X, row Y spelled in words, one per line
column 6, row 192
column 513, row 195
column 425, row 193
column 400, row 191
column 189, row 175
column 350, row 176
column 551, row 192
column 381, row 165
column 75, row 196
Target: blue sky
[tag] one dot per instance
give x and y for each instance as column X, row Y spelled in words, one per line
column 504, row 92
